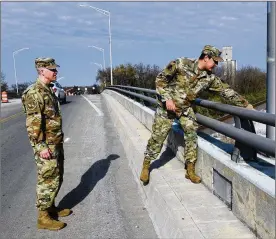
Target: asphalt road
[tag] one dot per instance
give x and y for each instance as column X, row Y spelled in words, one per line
column 11, row 109
column 98, row 184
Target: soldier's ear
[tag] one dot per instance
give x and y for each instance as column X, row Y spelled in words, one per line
column 39, row 71
column 206, row 58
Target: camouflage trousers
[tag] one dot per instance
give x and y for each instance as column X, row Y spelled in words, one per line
column 49, row 176
column 160, row 130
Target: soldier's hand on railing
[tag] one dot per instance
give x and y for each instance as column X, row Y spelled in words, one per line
column 250, row 107
column 45, row 154
column 170, row 105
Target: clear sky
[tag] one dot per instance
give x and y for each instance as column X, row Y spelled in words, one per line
column 147, row 32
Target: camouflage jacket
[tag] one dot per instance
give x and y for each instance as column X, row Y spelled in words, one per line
column 181, row 81
column 43, row 116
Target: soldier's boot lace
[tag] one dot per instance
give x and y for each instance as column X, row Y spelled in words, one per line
column 144, row 177
column 44, row 221
column 60, row 212
column 190, row 173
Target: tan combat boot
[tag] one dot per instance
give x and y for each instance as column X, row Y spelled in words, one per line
column 190, row 173
column 44, row 221
column 144, row 177
column 60, row 212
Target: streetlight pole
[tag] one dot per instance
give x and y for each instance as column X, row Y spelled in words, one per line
column 60, row 78
column 99, row 65
column 15, row 75
column 102, row 50
column 106, row 13
column 110, row 54
column 270, row 78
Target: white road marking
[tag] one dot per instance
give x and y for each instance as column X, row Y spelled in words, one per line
column 100, row 113
column 67, row 139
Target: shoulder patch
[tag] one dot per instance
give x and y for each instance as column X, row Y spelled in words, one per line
column 31, row 103
column 32, row 98
column 170, row 65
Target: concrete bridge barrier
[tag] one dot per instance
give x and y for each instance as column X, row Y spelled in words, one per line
column 246, row 191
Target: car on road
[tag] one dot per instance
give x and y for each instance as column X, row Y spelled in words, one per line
column 95, row 89
column 59, row 91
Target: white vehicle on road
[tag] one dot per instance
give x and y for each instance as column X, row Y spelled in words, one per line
column 59, row 91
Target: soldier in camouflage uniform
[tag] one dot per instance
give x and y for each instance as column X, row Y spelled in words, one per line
column 177, row 86
column 44, row 127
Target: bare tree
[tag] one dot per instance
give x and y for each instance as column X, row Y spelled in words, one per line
column 21, row 87
column 3, row 83
column 250, row 80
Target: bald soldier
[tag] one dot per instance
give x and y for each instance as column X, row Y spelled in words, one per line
column 44, row 127
column 177, row 86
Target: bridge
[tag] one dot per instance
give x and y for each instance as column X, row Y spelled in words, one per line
column 105, row 138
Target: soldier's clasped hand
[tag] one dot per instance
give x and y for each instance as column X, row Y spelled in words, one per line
column 45, row 154
column 170, row 105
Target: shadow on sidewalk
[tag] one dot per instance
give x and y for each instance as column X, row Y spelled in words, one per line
column 88, row 181
column 164, row 158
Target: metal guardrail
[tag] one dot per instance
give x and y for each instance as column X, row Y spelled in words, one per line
column 247, row 143
column 143, row 97
column 260, row 117
column 227, row 116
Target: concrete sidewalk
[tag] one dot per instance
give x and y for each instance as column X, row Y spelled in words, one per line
column 178, row 208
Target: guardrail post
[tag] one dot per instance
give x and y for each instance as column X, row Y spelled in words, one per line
column 144, row 101
column 241, row 150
